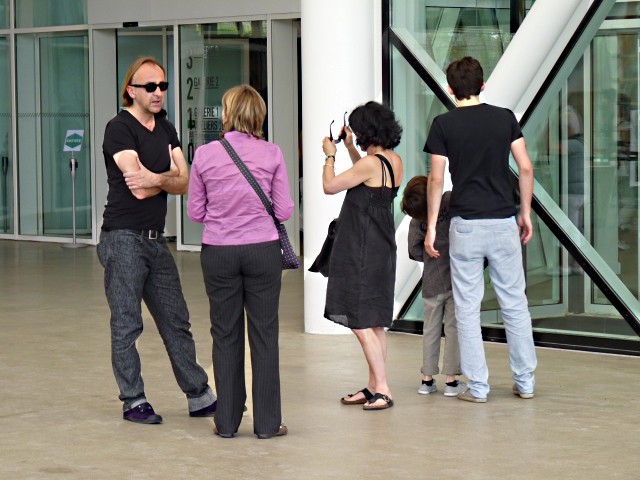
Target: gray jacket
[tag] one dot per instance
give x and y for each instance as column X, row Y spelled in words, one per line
column 436, row 276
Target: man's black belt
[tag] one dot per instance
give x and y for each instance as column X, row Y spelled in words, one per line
column 150, row 234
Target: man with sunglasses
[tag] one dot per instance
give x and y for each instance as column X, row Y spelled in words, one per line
column 144, row 164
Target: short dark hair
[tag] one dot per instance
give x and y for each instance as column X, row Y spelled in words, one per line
column 414, row 198
column 465, row 77
column 375, row 124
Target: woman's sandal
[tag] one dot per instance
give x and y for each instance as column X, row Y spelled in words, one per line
column 370, row 405
column 361, row 401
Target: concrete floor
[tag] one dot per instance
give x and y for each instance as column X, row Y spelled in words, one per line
column 60, row 416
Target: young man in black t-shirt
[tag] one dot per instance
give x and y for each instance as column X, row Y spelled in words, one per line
column 476, row 138
column 144, row 163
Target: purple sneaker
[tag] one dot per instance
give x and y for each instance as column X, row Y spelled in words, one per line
column 142, row 413
column 208, row 411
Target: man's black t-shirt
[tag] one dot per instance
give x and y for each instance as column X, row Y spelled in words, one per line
column 125, row 132
column 477, row 141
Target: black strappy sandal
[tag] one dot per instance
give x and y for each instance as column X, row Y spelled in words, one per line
column 367, row 396
column 370, row 405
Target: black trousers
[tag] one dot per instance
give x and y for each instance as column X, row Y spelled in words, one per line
column 238, row 279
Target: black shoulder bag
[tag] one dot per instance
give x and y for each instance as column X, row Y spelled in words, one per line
column 289, row 259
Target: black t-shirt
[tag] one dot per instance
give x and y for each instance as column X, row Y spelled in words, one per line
column 125, row 132
column 477, row 141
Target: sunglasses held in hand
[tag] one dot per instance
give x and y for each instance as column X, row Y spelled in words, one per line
column 151, row 86
column 343, row 135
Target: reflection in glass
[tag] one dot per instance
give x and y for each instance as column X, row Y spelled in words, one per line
column 213, row 58
column 4, row 13
column 135, row 42
column 47, row 13
column 53, row 99
column 615, row 57
column 585, row 159
column 449, row 32
column 415, row 106
column 6, row 160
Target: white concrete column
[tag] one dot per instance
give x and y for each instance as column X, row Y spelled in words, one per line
column 338, row 58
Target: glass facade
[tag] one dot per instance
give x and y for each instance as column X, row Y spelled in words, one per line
column 585, row 152
column 448, row 30
column 48, row 13
column 156, row 42
column 4, row 14
column 412, row 99
column 52, row 80
column 52, row 102
column 6, row 157
column 582, row 138
column 49, row 89
column 213, row 58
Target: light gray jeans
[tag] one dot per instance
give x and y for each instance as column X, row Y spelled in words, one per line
column 498, row 241
column 439, row 311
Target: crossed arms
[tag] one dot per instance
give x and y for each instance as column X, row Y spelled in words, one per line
column 144, row 183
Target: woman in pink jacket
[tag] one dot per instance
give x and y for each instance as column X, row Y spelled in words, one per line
column 241, row 260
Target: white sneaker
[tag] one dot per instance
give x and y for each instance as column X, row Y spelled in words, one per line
column 451, row 391
column 516, row 391
column 467, row 396
column 427, row 389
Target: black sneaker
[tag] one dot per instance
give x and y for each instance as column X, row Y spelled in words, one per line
column 142, row 413
column 208, row 411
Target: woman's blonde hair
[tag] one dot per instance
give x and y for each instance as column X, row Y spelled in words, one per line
column 127, row 101
column 244, row 110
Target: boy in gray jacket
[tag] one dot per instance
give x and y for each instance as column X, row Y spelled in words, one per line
column 436, row 290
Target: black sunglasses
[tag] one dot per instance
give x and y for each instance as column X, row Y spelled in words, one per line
column 343, row 135
column 151, row 86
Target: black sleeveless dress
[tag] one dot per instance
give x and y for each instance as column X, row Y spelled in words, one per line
column 363, row 259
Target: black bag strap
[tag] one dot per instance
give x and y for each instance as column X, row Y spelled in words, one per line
column 250, row 178
column 384, row 160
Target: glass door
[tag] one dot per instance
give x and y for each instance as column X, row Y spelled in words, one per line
column 585, row 162
column 213, row 58
column 615, row 58
column 53, row 126
column 156, row 42
column 6, row 163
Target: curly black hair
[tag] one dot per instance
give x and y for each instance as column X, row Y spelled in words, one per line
column 375, row 124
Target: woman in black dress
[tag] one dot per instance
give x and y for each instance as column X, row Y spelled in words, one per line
column 363, row 259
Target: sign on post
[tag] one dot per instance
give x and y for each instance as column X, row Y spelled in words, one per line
column 73, row 141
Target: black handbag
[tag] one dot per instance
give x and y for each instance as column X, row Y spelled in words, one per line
column 289, row 259
column 321, row 263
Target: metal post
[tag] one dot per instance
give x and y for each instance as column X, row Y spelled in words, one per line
column 73, row 166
